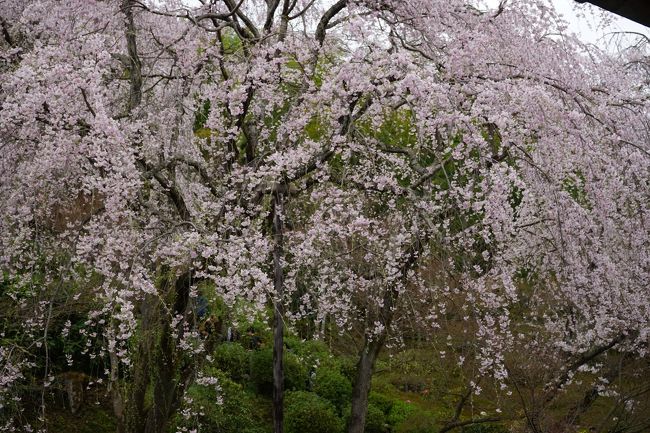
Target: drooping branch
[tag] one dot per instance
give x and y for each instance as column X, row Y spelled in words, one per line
column 584, row 358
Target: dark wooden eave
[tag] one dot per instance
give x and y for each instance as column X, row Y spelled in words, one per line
column 635, row 10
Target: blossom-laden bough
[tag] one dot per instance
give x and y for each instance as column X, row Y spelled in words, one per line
column 324, row 157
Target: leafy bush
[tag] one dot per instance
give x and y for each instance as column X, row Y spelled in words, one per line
column 381, row 401
column 399, row 411
column 312, row 352
column 333, row 386
column 295, row 374
column 218, row 408
column 233, row 359
column 375, row 420
column 348, row 367
column 307, row 412
column 254, row 335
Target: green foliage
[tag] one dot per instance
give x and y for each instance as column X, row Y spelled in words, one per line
column 307, row 412
column 380, row 401
column 399, row 412
column 233, row 359
column 235, row 414
column 254, row 334
column 315, row 130
column 91, row 419
column 333, row 386
column 375, row 420
column 295, row 374
column 309, row 349
column 575, row 185
column 398, row 129
column 312, row 353
column 230, row 42
column 348, row 367
column 201, row 115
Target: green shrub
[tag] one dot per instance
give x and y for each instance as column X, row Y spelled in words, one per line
column 375, row 420
column 348, row 367
column 333, row 386
column 312, row 352
column 295, row 374
column 312, row 347
column 306, row 412
column 234, row 414
column 233, row 359
column 399, row 411
column 254, row 335
column 381, row 401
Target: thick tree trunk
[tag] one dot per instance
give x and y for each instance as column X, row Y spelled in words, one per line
column 155, row 367
column 164, row 386
column 168, row 377
column 278, row 325
column 136, row 387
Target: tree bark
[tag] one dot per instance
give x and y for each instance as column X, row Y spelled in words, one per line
column 136, row 387
column 372, row 346
column 156, row 366
column 361, row 389
column 164, row 386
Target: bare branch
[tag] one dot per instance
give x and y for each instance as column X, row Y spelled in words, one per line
column 327, row 17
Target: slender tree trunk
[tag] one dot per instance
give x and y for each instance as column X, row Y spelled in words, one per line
column 361, row 389
column 278, row 325
column 373, row 345
column 366, row 364
column 118, row 402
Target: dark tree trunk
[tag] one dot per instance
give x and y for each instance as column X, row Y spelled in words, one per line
column 372, row 347
column 278, row 325
column 157, row 366
column 136, row 387
column 361, row 389
column 366, row 364
column 164, row 386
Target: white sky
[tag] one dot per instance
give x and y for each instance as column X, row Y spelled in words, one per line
column 595, row 25
column 591, row 27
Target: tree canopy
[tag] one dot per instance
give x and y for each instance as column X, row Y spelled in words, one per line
column 349, row 162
